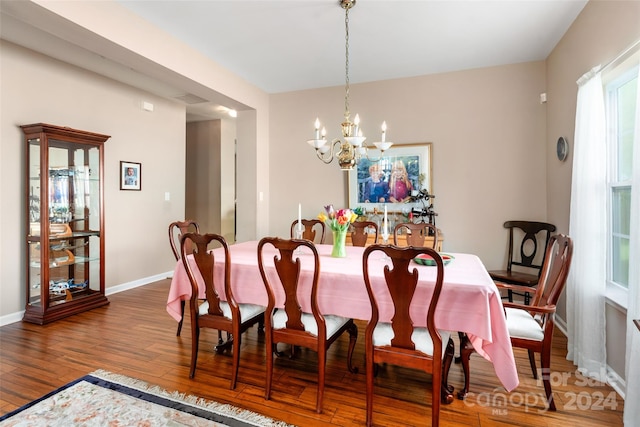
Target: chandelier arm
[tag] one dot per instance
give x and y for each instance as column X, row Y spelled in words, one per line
column 373, row 160
column 328, row 156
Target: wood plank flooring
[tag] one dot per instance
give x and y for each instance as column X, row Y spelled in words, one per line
column 135, row 336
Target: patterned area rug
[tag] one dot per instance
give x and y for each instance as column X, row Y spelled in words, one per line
column 103, row 398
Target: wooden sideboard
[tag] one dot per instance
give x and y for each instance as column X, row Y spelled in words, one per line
column 402, row 240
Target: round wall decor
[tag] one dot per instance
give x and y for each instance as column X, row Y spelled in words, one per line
column 562, row 149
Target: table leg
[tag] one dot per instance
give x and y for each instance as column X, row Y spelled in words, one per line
column 465, row 355
column 446, row 390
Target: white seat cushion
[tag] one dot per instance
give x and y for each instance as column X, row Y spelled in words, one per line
column 383, row 334
column 521, row 324
column 333, row 323
column 247, row 311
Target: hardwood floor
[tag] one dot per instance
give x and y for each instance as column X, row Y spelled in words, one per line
column 135, row 336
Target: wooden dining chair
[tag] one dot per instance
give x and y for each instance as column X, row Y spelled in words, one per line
column 531, row 326
column 359, row 234
column 416, row 233
column 525, row 255
column 214, row 312
column 312, row 227
column 176, row 230
column 399, row 342
column 291, row 325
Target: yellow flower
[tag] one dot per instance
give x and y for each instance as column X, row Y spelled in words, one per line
column 322, row 217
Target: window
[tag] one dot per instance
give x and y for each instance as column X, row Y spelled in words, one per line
column 621, row 94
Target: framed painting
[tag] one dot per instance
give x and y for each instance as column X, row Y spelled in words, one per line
column 130, row 176
column 392, row 179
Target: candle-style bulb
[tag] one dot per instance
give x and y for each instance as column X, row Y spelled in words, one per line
column 317, row 125
column 356, row 123
column 324, row 132
column 384, row 130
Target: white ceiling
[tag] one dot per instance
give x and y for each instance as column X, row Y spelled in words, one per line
column 291, row 45
column 299, row 44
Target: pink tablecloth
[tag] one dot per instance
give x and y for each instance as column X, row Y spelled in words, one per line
column 469, row 301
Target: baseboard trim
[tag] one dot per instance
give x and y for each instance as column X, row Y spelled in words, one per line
column 613, row 379
column 17, row 316
column 616, row 382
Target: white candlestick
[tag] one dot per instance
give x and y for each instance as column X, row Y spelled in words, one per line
column 385, row 226
column 299, row 216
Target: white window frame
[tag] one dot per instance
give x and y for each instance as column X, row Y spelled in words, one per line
column 615, row 293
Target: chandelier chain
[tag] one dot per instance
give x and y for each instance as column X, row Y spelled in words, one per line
column 346, row 65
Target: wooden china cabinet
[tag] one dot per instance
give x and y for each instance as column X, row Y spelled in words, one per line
column 65, row 218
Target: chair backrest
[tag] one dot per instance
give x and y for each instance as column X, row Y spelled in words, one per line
column 311, row 228
column 176, row 230
column 555, row 270
column 418, row 233
column 524, row 238
column 402, row 280
column 287, row 266
column 202, row 265
column 359, row 235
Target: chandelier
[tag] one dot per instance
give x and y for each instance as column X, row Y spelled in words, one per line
column 351, row 147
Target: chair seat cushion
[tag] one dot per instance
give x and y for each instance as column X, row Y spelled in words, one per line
column 333, row 323
column 522, row 324
column 247, row 311
column 383, row 334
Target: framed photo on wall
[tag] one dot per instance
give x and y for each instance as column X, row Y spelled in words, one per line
column 130, row 176
column 393, row 178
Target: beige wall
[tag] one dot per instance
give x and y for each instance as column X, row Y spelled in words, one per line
column 36, row 89
column 210, row 176
column 202, row 193
column 601, row 32
column 137, row 43
column 487, row 127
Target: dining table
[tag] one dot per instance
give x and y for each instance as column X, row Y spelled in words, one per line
column 469, row 301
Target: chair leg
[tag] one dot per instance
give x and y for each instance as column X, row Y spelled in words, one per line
column 545, row 358
column 532, row 362
column 181, row 318
column 271, row 349
column 436, row 388
column 322, row 365
column 236, row 359
column 369, row 369
column 353, row 337
column 465, row 355
column 195, row 338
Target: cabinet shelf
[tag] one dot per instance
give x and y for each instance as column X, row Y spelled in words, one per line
column 64, row 244
column 73, row 235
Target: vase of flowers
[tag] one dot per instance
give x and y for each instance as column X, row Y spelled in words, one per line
column 338, row 221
